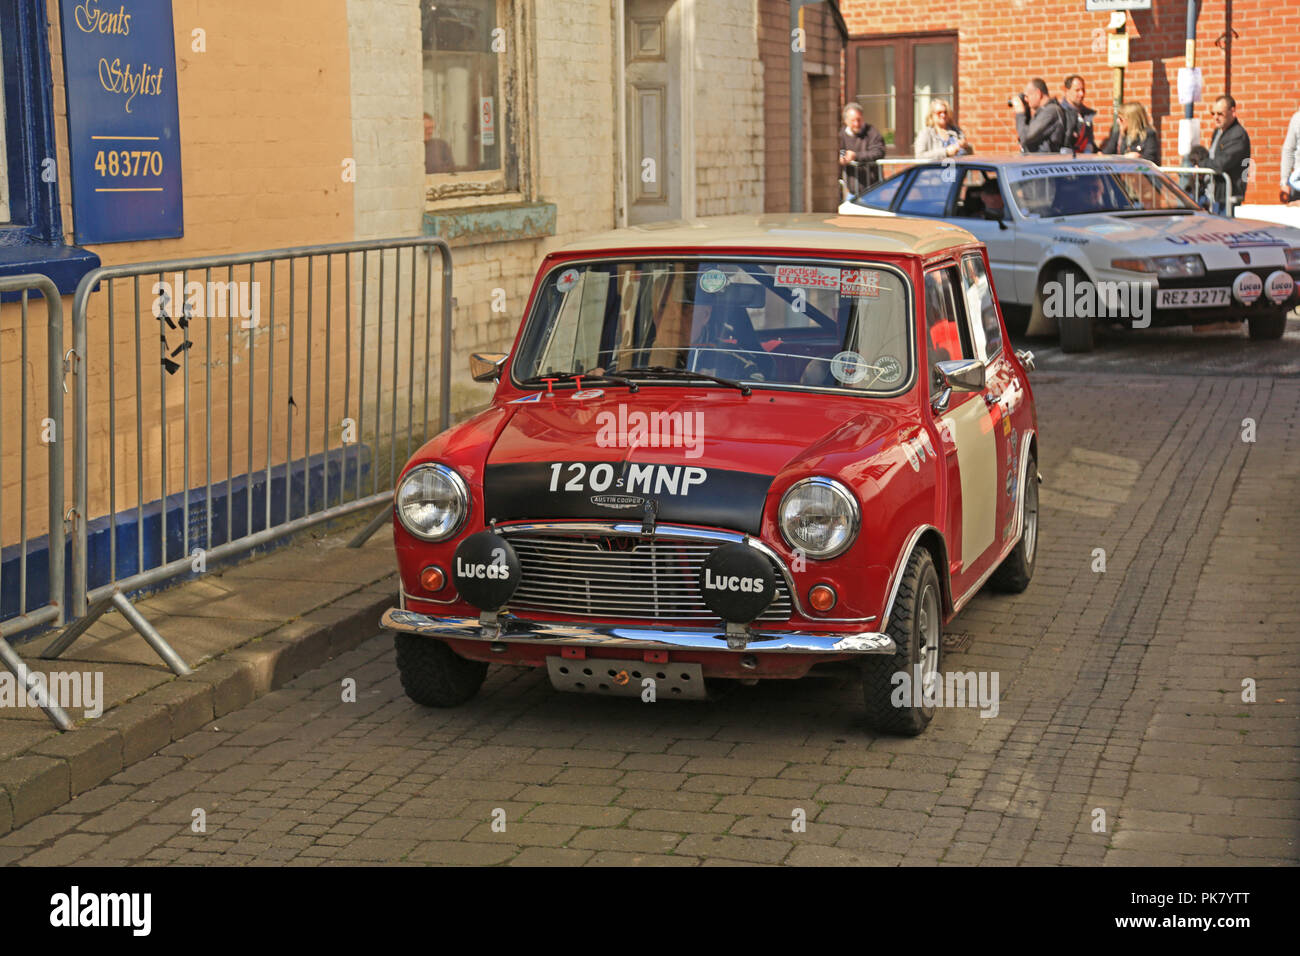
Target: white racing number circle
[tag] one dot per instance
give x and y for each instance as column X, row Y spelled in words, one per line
column 850, row 368
column 567, row 280
column 1278, row 287
column 1247, row 287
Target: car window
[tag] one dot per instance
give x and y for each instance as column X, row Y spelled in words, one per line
column 979, row 195
column 1070, row 189
column 946, row 336
column 928, row 193
column 881, row 196
column 789, row 322
column 980, row 307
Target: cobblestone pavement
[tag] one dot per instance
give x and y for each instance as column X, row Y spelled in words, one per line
column 1121, row 694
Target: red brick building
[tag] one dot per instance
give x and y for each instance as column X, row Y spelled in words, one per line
column 899, row 54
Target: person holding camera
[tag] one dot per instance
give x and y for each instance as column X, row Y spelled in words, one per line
column 1040, row 120
column 860, row 146
column 939, row 137
column 1290, row 187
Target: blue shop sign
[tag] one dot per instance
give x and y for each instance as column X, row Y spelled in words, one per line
column 119, row 61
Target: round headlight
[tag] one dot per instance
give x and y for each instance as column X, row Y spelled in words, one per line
column 820, row 517
column 432, row 502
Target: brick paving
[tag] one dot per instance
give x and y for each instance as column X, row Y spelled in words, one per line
column 1121, row 694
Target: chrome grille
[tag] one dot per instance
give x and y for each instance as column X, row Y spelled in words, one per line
column 594, row 575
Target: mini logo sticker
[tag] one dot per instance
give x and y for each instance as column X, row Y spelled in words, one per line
column 567, row 280
column 1247, row 288
column 849, row 368
column 588, row 393
column 715, row 280
column 1278, row 287
column 891, row 370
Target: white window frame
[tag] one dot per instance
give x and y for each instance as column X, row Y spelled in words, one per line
column 513, row 91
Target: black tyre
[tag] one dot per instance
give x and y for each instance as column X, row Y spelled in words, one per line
column 917, row 629
column 1270, row 325
column 1077, row 333
column 433, row 674
column 1017, row 568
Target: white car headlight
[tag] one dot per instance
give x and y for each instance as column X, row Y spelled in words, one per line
column 820, row 517
column 1179, row 267
column 432, row 502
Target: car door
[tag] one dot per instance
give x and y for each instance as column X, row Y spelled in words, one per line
column 968, row 445
column 998, row 235
column 1000, row 393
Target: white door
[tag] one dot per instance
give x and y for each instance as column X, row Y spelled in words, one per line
column 652, row 97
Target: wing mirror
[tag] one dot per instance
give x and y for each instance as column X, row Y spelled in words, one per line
column 958, row 375
column 486, row 367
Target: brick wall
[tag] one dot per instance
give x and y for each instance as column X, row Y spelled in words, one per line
column 728, row 100
column 1004, row 42
column 822, row 53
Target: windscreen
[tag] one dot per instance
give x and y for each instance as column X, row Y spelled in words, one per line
column 1073, row 189
column 780, row 323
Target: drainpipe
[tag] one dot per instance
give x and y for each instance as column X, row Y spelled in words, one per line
column 798, row 39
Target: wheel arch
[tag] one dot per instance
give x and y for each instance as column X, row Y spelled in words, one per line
column 1054, row 260
column 931, row 539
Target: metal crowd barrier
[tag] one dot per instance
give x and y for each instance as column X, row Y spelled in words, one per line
column 201, row 411
column 1228, row 204
column 21, row 433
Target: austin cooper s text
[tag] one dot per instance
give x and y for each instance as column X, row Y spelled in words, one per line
column 740, row 448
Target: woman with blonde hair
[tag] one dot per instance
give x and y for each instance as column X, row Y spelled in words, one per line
column 1133, row 135
column 939, row 137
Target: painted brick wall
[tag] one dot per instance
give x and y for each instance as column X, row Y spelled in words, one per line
column 728, row 100
column 1004, row 42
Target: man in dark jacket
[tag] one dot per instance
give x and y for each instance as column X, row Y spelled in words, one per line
column 1078, row 118
column 862, row 143
column 1041, row 128
column 1229, row 151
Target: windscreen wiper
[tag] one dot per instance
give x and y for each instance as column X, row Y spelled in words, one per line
column 577, row 378
column 653, row 371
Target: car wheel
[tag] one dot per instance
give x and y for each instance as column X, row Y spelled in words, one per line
column 916, row 626
column 1271, row 325
column 433, row 674
column 1077, row 332
column 1017, row 568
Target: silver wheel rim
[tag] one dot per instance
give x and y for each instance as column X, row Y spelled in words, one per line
column 928, row 629
column 1031, row 517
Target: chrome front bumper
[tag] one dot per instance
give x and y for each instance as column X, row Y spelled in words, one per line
column 513, row 630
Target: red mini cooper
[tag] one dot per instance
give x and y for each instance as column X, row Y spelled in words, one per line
column 733, row 448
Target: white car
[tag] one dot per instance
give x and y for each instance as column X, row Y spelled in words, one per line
column 1081, row 239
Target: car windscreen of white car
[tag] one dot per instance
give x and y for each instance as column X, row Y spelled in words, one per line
column 799, row 323
column 1084, row 189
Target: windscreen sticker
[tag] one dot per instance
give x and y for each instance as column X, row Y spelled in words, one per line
column 807, row 277
column 891, row 370
column 850, row 368
column 859, row 282
column 1046, row 170
column 715, row 280
column 567, row 280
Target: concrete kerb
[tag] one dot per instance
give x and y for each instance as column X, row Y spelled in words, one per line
column 56, row 768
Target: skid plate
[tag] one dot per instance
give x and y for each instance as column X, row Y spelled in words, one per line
column 619, row 678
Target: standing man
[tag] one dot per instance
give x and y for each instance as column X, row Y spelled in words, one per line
column 1290, row 191
column 862, row 143
column 1040, row 120
column 1078, row 118
column 1229, row 151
